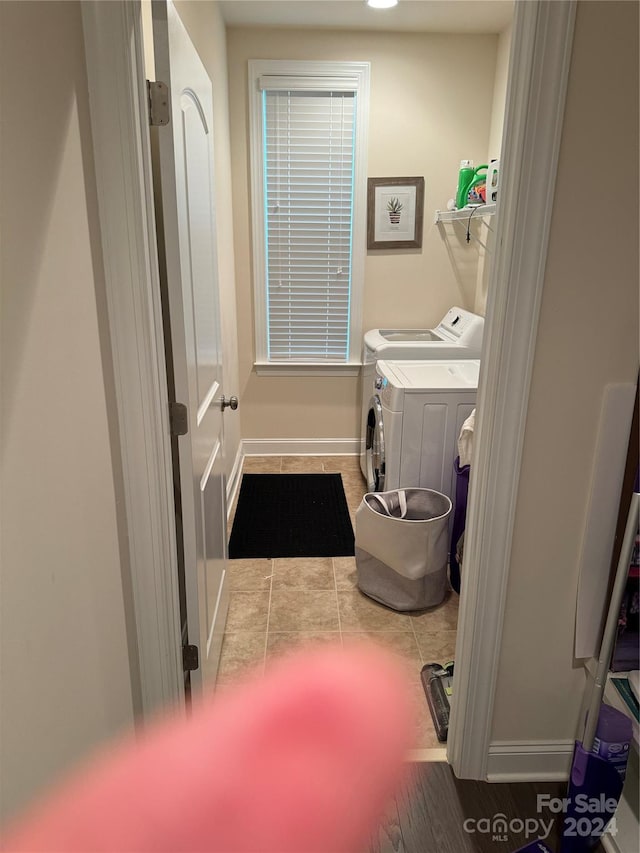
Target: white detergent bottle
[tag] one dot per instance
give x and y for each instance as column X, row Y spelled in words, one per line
column 493, row 181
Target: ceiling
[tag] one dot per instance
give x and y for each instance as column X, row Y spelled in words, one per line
column 439, row 16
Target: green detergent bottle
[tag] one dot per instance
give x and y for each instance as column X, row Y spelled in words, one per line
column 466, row 177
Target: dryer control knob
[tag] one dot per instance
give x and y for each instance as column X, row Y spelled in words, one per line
column 378, row 383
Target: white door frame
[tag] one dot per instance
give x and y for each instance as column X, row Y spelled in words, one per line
column 538, row 75
column 121, row 150
column 539, row 69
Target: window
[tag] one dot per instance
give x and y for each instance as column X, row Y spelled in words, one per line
column 308, row 138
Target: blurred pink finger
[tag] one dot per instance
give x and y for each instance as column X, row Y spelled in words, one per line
column 303, row 759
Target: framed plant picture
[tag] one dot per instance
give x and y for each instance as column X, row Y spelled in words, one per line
column 395, row 208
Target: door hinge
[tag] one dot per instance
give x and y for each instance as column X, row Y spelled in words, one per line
column 178, row 420
column 190, row 658
column 158, row 103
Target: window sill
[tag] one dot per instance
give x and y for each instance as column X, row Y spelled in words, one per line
column 268, row 368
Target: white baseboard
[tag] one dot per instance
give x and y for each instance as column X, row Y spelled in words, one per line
column 233, row 482
column 529, row 761
column 301, row 446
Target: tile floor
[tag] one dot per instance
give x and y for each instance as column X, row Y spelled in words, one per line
column 278, row 604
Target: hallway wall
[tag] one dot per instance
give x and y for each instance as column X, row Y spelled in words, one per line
column 587, row 337
column 65, row 672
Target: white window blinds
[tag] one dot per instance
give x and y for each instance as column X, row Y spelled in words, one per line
column 308, row 140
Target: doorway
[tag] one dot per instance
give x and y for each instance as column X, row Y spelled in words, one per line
column 539, row 71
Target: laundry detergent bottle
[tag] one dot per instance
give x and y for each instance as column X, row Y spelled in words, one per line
column 466, row 178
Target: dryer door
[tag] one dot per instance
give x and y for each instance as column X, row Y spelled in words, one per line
column 374, row 447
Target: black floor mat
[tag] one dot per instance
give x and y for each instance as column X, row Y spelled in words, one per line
column 291, row 515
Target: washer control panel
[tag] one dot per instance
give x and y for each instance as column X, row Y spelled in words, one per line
column 463, row 325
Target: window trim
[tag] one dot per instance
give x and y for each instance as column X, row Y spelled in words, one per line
column 356, row 75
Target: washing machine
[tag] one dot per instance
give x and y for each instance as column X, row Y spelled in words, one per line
column 458, row 335
column 414, row 419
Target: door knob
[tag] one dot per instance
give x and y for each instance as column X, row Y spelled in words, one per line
column 231, row 403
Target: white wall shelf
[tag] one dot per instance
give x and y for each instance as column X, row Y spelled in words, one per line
column 466, row 212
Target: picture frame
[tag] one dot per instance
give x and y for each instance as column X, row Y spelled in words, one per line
column 395, row 211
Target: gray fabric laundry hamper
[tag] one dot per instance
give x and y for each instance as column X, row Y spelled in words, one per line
column 402, row 547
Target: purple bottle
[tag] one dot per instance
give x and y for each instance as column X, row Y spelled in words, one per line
column 612, row 738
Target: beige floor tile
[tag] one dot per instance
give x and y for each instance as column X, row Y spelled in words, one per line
column 444, row 617
column 437, row 648
column 298, row 610
column 402, row 643
column 248, row 611
column 353, row 502
column 354, row 499
column 250, row 574
column 360, row 613
column 341, row 464
column 261, row 464
column 303, row 573
column 241, row 651
column 302, row 465
column 354, row 484
column 285, row 642
column 354, row 478
column 345, row 571
column 228, row 682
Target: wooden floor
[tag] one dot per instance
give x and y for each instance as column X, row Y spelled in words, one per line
column 429, row 815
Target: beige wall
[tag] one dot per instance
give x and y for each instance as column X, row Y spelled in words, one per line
column 499, row 93
column 203, row 21
column 65, row 673
column 587, row 337
column 431, row 99
column 485, row 232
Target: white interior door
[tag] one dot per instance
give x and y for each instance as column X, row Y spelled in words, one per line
column 187, row 191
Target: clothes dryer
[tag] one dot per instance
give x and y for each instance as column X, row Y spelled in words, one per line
column 414, row 418
column 457, row 336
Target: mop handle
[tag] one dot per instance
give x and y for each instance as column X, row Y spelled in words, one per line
column 611, row 625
